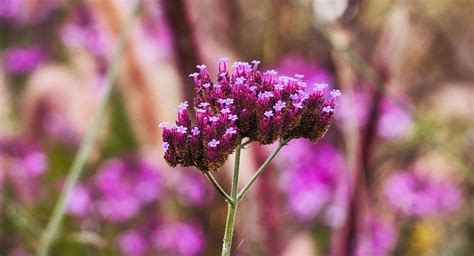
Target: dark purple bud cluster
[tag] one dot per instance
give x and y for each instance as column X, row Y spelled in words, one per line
column 249, row 104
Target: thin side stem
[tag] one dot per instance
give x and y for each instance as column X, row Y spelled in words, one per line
column 218, row 187
column 54, row 223
column 260, row 170
column 246, row 143
column 232, row 207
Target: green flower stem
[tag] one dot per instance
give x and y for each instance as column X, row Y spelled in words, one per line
column 232, row 206
column 236, row 196
column 229, row 229
column 54, row 223
column 261, row 169
column 218, row 187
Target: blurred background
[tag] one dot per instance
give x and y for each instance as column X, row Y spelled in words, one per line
column 393, row 176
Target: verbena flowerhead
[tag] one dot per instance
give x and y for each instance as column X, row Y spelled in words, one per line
column 246, row 103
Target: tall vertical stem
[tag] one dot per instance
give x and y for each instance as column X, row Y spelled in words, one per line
column 72, row 178
column 232, row 207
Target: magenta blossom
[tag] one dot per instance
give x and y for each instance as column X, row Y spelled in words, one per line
column 179, row 239
column 9, row 9
column 125, row 185
column 421, row 196
column 21, row 60
column 193, row 189
column 23, row 163
column 80, row 202
column 82, row 32
column 394, row 121
column 26, row 12
column 315, row 180
column 133, row 243
column 378, row 237
column 311, row 72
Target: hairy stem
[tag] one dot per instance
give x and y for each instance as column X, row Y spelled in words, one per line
column 232, row 207
column 260, row 170
column 54, row 223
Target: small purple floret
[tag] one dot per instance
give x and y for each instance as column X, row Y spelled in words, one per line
column 268, row 113
column 279, row 105
column 213, row 143
column 195, row 131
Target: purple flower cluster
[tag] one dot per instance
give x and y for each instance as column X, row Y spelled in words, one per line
column 22, row 163
column 421, row 196
column 315, row 179
column 121, row 188
column 246, row 104
column 21, row 60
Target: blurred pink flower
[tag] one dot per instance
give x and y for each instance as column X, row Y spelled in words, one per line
column 156, row 33
column 118, row 207
column 193, row 189
column 315, row 178
column 378, row 237
column 27, row 12
column 21, row 60
column 125, row 185
column 23, row 163
column 80, row 202
column 179, row 239
column 312, row 73
column 133, row 243
column 9, row 9
column 394, row 122
column 421, row 196
column 82, row 32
